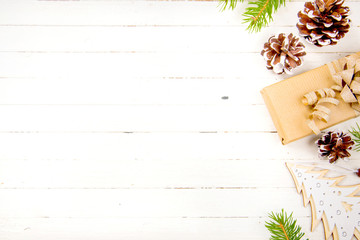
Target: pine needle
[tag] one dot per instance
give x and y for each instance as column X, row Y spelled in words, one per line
column 230, row 4
column 356, row 133
column 283, row 227
column 258, row 14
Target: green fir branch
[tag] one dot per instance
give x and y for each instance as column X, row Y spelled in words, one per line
column 356, row 137
column 283, row 227
column 229, row 4
column 258, row 14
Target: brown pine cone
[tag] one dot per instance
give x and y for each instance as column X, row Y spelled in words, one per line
column 323, row 22
column 283, row 53
column 334, row 145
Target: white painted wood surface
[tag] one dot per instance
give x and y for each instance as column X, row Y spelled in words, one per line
column 144, row 120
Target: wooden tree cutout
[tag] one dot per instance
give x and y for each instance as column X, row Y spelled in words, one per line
column 337, row 206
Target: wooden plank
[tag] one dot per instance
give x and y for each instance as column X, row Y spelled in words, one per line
column 132, row 118
column 145, row 203
column 143, row 228
column 174, row 147
column 139, row 13
column 124, row 66
column 127, row 173
column 135, row 118
column 248, row 69
column 131, row 91
column 113, row 13
column 132, row 39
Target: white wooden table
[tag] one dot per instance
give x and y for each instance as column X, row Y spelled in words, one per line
column 143, row 119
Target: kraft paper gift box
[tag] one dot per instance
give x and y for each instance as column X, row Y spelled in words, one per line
column 289, row 114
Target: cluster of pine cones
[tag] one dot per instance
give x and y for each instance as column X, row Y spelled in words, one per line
column 321, row 22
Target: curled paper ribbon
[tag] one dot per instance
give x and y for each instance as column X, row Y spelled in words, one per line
column 319, row 100
column 312, row 97
column 346, row 75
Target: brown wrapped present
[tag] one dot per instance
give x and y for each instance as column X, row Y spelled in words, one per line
column 285, row 99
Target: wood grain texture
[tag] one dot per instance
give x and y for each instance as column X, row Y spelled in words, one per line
column 144, row 120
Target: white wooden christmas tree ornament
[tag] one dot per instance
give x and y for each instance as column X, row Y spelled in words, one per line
column 337, row 206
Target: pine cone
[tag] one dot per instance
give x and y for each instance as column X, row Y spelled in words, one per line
column 283, row 54
column 357, row 172
column 334, row 145
column 323, row 22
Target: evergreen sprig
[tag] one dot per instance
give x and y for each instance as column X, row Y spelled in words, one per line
column 230, row 4
column 356, row 136
column 283, row 227
column 259, row 12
